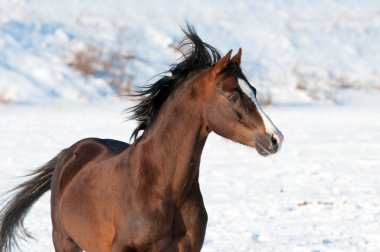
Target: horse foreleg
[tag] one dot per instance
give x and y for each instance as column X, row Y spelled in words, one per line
column 194, row 220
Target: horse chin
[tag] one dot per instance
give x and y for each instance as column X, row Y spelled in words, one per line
column 262, row 151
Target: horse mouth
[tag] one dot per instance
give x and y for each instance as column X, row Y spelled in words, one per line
column 262, row 151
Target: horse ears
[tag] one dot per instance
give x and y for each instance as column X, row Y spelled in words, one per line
column 237, row 57
column 223, row 62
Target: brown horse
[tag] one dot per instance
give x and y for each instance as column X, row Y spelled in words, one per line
column 108, row 195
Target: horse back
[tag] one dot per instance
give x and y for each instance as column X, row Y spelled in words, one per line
column 73, row 159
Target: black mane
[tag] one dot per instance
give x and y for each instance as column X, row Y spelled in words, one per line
column 197, row 55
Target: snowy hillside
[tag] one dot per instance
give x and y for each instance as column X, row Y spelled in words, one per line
column 313, row 47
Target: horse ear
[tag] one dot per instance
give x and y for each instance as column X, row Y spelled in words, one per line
column 223, row 62
column 237, row 57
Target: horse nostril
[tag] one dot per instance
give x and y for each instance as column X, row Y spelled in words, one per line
column 274, row 140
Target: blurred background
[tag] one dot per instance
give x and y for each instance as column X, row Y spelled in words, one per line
column 295, row 52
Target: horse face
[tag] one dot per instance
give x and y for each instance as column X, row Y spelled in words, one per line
column 235, row 113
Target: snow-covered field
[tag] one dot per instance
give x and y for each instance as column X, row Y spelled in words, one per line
column 320, row 193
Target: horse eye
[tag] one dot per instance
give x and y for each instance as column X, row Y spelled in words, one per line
column 233, row 97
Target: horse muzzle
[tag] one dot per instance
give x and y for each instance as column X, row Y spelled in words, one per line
column 269, row 143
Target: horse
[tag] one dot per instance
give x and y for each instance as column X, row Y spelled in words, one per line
column 108, row 195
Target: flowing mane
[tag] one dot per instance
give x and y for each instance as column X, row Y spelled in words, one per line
column 197, row 55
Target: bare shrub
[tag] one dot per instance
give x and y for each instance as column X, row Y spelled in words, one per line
column 109, row 64
column 87, row 60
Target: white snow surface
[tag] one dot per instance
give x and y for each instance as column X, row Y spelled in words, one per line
column 317, row 45
column 320, row 193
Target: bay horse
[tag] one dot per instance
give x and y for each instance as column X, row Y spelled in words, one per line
column 107, row 195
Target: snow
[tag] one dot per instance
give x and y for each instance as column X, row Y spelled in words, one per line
column 320, row 193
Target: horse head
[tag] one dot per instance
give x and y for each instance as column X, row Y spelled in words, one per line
column 233, row 111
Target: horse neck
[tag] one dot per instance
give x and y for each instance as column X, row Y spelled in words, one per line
column 173, row 144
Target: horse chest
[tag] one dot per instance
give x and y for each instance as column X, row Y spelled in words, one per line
column 149, row 226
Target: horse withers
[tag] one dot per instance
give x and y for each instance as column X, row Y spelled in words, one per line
column 107, row 195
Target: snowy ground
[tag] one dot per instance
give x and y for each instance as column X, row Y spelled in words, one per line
column 321, row 193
